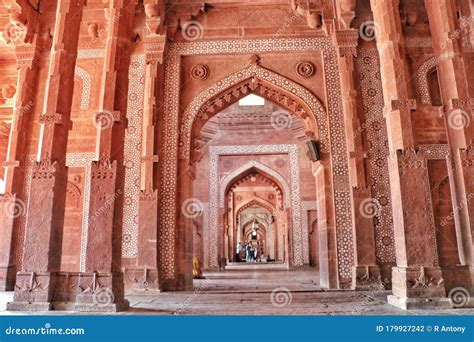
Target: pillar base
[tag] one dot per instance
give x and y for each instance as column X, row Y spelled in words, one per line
column 366, row 278
column 420, row 303
column 27, row 306
column 115, row 307
column 101, row 292
column 33, row 291
column 142, row 280
column 418, row 287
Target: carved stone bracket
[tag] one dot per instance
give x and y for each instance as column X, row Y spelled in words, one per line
column 153, row 159
column 346, row 42
column 103, row 168
column 467, row 156
column 155, row 46
column 462, row 104
column 44, row 169
column 55, row 119
column 149, row 194
column 409, row 104
column 411, row 159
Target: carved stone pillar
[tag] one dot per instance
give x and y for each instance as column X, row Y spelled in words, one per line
column 326, row 226
column 147, row 258
column 35, row 284
column 103, row 245
column 455, row 96
column 365, row 272
column 12, row 206
column 417, row 279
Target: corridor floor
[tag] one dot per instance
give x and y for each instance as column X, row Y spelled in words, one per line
column 256, row 290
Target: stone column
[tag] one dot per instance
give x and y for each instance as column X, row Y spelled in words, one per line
column 417, row 279
column 188, row 209
column 454, row 87
column 365, row 272
column 103, row 246
column 146, row 272
column 36, row 283
column 328, row 272
column 12, row 205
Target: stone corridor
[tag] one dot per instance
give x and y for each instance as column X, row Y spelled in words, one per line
column 258, row 290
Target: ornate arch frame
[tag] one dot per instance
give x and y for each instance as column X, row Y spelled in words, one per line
column 256, row 201
column 338, row 186
column 278, row 189
column 216, row 195
column 259, row 167
column 263, row 82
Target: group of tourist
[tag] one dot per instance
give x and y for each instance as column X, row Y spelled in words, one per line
column 249, row 252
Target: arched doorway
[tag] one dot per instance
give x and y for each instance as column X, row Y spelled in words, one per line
column 291, row 119
column 255, row 205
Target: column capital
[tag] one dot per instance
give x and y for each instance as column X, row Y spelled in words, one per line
column 155, row 46
column 346, row 41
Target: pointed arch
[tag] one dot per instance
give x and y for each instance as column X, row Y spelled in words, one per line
column 265, row 170
column 256, row 201
column 260, row 81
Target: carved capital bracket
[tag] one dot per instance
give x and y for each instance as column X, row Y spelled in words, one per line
column 55, row 119
column 155, row 46
column 467, row 156
column 26, row 56
column 151, row 159
column 149, row 194
column 346, row 42
column 11, row 163
column 45, row 168
column 459, row 104
column 408, row 104
column 408, row 159
column 104, row 168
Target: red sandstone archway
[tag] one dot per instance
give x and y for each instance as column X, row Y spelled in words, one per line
column 190, row 148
